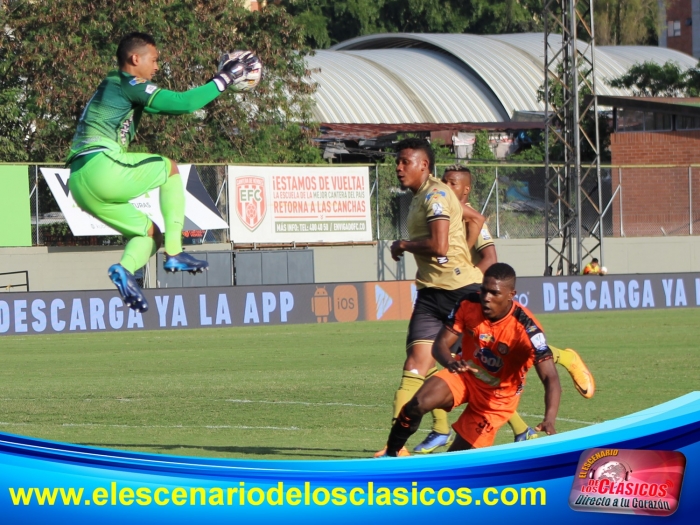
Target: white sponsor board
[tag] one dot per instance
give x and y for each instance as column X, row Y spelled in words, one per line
column 299, row 204
column 82, row 223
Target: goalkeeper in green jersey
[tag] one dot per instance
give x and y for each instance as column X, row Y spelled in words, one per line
column 104, row 177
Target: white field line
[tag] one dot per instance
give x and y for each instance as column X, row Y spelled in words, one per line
column 244, row 427
column 230, row 427
column 233, row 427
column 567, row 420
column 379, row 406
column 304, row 403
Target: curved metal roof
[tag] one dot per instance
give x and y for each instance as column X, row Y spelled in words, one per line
column 626, row 56
column 417, row 77
column 607, row 67
column 509, row 73
column 374, row 86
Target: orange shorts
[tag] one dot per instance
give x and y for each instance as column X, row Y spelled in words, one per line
column 484, row 413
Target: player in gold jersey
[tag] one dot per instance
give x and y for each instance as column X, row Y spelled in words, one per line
column 483, row 254
column 437, row 240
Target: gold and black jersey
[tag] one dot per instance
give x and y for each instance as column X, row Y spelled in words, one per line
column 435, row 201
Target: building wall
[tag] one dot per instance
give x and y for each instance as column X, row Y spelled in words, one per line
column 86, row 268
column 253, row 5
column 656, row 198
column 681, row 11
column 695, row 13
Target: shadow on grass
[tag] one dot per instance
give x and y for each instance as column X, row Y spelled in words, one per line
column 234, row 451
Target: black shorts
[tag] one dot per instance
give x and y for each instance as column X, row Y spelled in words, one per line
column 430, row 312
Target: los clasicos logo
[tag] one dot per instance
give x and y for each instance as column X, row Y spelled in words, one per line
column 619, row 481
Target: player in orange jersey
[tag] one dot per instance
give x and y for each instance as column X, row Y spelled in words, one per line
column 502, row 340
column 483, row 255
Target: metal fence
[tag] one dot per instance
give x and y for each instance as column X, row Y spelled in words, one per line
column 511, row 197
column 655, row 201
column 638, row 201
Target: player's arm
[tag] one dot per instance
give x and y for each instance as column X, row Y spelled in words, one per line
column 180, row 103
column 488, row 257
column 552, row 393
column 240, row 71
column 444, row 341
column 435, row 245
column 474, row 221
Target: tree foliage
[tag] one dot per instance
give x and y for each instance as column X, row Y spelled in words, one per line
column 53, row 55
column 626, row 22
column 587, row 120
column 650, row 79
column 327, row 22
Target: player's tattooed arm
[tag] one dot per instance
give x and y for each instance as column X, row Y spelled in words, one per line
column 552, row 394
column 444, row 341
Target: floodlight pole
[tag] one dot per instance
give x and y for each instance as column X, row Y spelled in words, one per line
column 573, row 191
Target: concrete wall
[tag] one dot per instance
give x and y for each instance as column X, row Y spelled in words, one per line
column 621, row 255
column 85, row 268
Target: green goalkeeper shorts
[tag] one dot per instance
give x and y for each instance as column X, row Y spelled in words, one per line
column 104, row 185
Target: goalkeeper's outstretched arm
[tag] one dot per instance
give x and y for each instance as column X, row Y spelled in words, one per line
column 240, row 70
column 182, row 102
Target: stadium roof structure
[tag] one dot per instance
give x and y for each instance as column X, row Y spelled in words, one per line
column 404, row 78
column 335, row 131
column 689, row 107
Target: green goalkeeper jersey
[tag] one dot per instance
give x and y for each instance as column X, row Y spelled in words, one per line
column 111, row 116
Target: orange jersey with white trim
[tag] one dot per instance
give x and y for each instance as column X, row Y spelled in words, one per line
column 502, row 351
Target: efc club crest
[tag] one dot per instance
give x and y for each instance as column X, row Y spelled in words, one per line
column 250, row 201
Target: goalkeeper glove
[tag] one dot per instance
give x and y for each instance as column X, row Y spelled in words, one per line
column 240, row 69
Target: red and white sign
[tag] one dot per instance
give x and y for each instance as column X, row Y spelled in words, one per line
column 283, row 204
column 627, row 481
column 250, row 201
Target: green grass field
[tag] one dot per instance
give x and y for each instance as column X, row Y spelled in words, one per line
column 302, row 391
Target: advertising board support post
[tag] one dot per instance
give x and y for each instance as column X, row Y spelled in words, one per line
column 380, row 254
column 36, row 201
column 690, row 198
column 498, row 217
column 376, row 198
column 619, row 177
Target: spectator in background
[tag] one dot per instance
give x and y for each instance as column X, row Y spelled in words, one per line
column 592, row 268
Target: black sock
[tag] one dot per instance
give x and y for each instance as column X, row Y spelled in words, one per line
column 403, row 428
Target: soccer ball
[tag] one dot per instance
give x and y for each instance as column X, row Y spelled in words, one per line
column 603, row 270
column 253, row 69
column 253, row 74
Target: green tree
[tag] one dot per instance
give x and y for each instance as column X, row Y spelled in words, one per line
column 650, row 79
column 503, row 16
column 482, row 177
column 626, row 22
column 327, row 22
column 587, row 119
column 53, row 54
